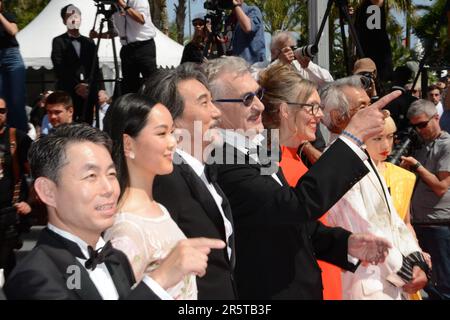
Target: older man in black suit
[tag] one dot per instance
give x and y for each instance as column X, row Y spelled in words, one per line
column 201, row 209
column 75, row 63
column 278, row 238
column 76, row 178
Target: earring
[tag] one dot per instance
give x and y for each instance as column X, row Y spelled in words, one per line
column 131, row 155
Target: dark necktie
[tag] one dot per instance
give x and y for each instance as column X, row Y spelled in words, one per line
column 211, row 175
column 99, row 256
column 75, row 39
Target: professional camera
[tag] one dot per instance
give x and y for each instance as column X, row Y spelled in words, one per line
column 112, row 2
column 406, row 142
column 218, row 5
column 308, row 51
column 102, row 9
column 366, row 79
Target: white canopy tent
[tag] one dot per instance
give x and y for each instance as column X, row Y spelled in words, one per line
column 36, row 38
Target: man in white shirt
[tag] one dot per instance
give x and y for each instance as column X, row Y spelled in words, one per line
column 76, row 178
column 201, row 209
column 434, row 95
column 137, row 32
column 103, row 105
column 281, row 49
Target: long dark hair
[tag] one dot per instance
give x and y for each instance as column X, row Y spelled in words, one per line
column 127, row 115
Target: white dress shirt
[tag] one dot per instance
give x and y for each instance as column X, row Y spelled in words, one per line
column 244, row 144
column 199, row 169
column 439, row 109
column 131, row 31
column 314, row 73
column 76, row 46
column 101, row 115
column 101, row 276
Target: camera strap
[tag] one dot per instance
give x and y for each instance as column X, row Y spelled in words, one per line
column 15, row 164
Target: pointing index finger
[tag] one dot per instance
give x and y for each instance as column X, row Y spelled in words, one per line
column 380, row 104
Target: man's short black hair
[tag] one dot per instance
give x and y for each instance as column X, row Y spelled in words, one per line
column 64, row 11
column 47, row 155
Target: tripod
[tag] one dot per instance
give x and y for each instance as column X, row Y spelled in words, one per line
column 344, row 17
column 92, row 79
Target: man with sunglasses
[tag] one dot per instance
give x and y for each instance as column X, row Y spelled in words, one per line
column 14, row 146
column 277, row 233
column 430, row 204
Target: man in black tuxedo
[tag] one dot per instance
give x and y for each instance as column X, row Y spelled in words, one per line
column 278, row 237
column 76, row 178
column 200, row 209
column 73, row 57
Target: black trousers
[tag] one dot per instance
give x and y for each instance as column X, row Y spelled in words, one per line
column 137, row 58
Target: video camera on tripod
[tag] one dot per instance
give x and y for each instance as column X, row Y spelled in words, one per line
column 216, row 15
column 100, row 4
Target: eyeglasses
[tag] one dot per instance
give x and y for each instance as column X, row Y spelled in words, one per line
column 422, row 124
column 198, row 23
column 247, row 100
column 311, row 108
column 3, row 110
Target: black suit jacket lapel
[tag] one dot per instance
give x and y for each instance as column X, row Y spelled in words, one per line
column 120, row 279
column 71, row 48
column 204, row 197
column 64, row 252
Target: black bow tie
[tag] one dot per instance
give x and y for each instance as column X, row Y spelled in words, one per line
column 99, row 256
column 75, row 39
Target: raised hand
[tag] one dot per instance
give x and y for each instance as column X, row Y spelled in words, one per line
column 368, row 248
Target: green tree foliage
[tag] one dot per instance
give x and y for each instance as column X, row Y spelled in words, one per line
column 280, row 14
column 425, row 28
column 25, row 10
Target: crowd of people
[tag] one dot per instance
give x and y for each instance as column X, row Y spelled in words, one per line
column 228, row 178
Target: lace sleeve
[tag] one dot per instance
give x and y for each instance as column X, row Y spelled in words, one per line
column 129, row 238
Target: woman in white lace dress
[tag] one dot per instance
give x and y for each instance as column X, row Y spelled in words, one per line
column 143, row 148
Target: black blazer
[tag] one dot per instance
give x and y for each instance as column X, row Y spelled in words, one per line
column 193, row 208
column 278, row 237
column 43, row 275
column 68, row 66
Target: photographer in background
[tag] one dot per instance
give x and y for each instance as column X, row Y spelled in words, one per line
column 430, row 206
column 193, row 51
column 137, row 32
column 281, row 49
column 12, row 70
column 248, row 37
column 366, row 68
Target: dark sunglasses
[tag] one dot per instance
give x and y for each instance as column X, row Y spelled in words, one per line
column 198, row 23
column 311, row 108
column 3, row 110
column 422, row 124
column 247, row 100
